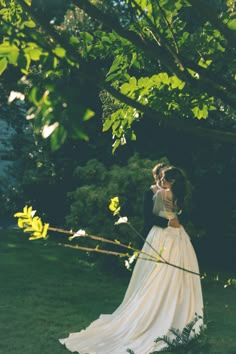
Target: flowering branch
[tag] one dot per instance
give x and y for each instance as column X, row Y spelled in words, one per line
column 114, row 206
column 33, row 224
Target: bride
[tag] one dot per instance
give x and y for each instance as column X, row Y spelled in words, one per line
column 160, row 296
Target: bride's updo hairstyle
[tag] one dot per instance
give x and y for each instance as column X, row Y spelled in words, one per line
column 179, row 184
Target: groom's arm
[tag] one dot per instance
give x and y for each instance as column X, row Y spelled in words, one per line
column 159, row 221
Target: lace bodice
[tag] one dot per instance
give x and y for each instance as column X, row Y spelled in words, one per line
column 163, row 204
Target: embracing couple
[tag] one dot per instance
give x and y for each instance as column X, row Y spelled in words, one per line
column 160, row 295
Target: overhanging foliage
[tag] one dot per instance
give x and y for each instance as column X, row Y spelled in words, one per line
column 172, row 60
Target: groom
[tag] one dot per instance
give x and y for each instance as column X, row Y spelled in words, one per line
column 149, row 218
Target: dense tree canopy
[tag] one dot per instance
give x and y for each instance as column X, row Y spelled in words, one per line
column 167, row 60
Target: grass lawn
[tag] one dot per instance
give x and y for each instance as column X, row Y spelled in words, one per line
column 47, row 291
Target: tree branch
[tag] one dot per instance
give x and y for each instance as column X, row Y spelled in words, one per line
column 211, row 76
column 208, row 12
column 56, row 37
column 131, row 36
column 153, row 51
column 176, row 124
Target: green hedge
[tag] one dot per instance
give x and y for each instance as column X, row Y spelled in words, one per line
column 98, row 184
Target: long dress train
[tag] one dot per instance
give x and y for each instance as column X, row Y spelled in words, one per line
column 159, row 297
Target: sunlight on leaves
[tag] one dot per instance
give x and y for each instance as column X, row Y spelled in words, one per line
column 32, row 224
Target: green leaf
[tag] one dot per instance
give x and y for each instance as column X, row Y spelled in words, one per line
column 24, row 62
column 86, row 36
column 204, row 63
column 133, row 136
column 88, row 114
column 113, row 76
column 116, row 125
column 133, row 59
column 193, row 73
column 177, row 83
column 58, row 138
column 204, row 113
column 115, row 65
column 33, row 96
column 200, row 113
column 74, row 40
column 3, row 65
column 164, row 78
column 60, row 52
column 212, row 108
column 30, row 24
column 107, row 124
column 195, row 111
column 78, row 133
column 106, row 39
column 133, row 82
column 232, row 24
column 9, row 51
column 220, row 48
column 125, row 88
column 143, row 81
column 115, row 145
column 33, row 51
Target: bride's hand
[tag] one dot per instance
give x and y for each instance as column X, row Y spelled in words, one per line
column 174, row 223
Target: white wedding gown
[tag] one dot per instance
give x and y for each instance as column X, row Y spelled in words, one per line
column 159, row 297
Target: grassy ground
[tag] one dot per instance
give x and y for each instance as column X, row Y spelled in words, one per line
column 47, row 291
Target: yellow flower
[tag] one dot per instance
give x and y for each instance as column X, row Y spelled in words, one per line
column 114, row 205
